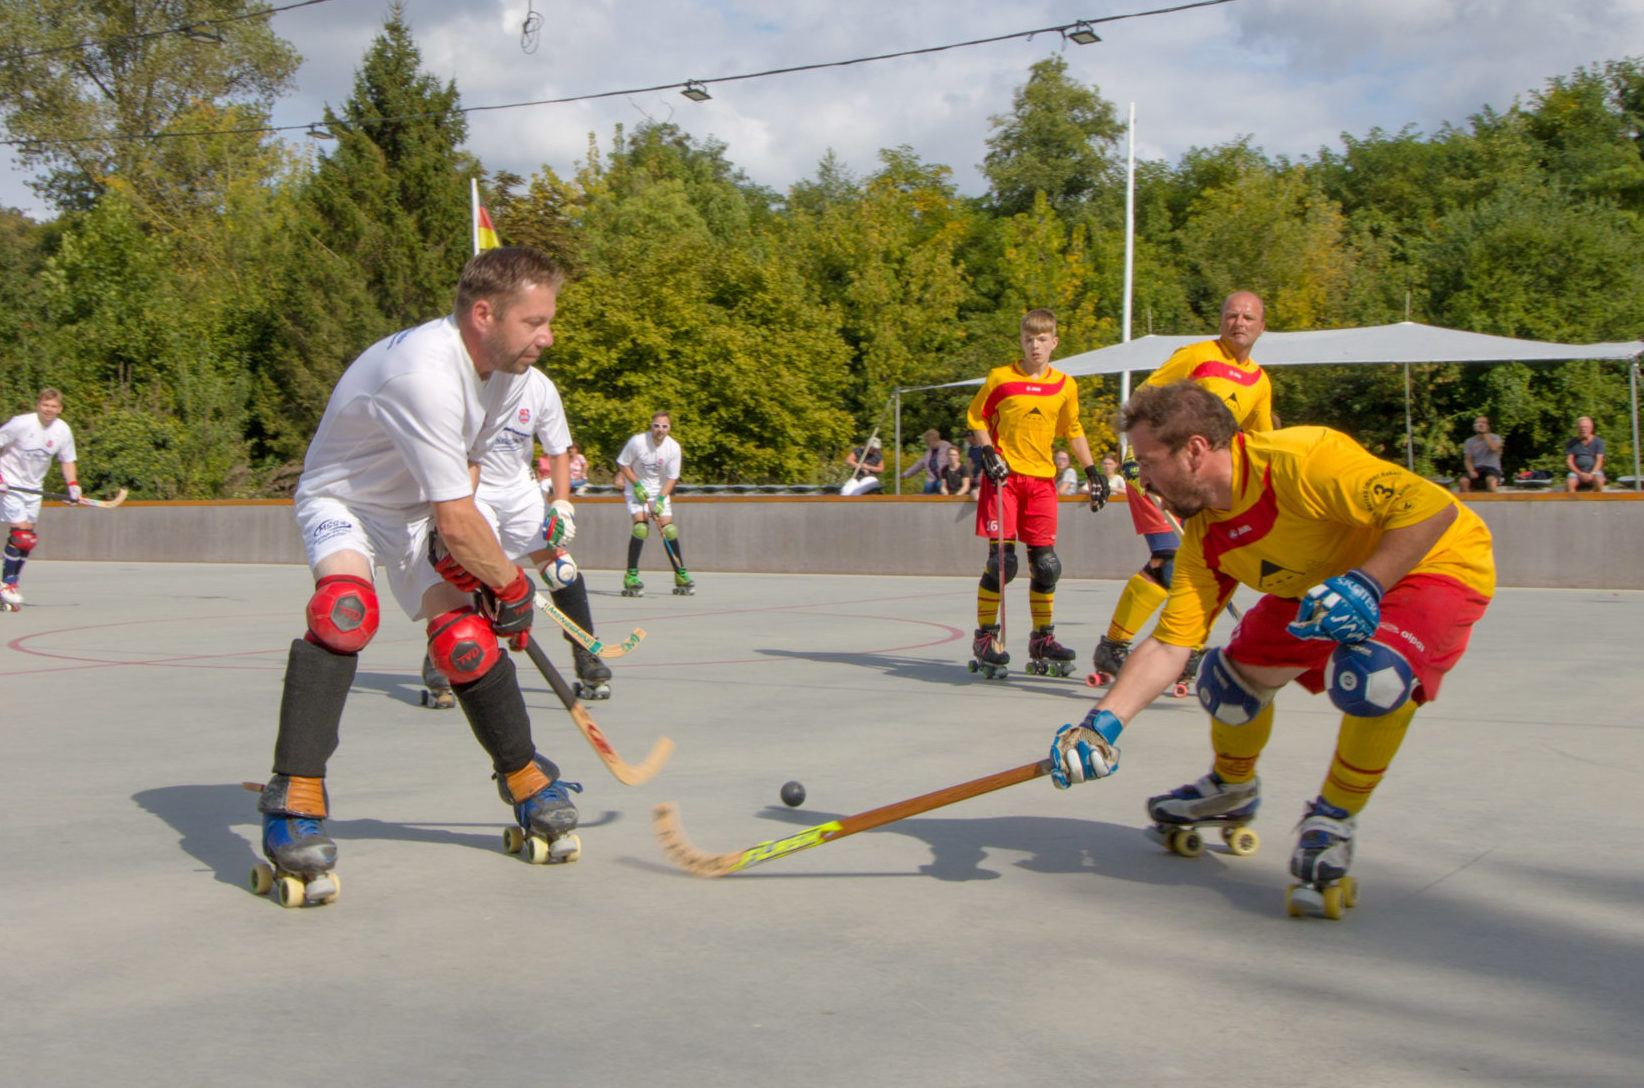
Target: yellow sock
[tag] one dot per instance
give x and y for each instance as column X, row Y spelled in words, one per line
column 1364, row 748
column 1238, row 746
column 987, row 607
column 1141, row 598
column 1040, row 604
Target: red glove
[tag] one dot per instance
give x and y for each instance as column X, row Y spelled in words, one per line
column 448, row 568
column 510, row 609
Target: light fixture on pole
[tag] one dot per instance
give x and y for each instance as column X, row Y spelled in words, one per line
column 1081, row 34
column 315, row 132
column 695, row 91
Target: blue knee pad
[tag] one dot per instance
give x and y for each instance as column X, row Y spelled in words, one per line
column 1224, row 694
column 1367, row 679
column 641, row 530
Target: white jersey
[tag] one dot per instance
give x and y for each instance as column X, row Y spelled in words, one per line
column 404, row 422
column 652, row 464
column 26, row 448
column 533, row 411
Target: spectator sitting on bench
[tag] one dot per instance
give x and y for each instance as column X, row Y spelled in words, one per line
column 1584, row 455
column 1481, row 457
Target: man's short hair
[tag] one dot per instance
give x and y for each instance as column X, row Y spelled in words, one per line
column 496, row 275
column 1035, row 322
column 1178, row 411
column 48, row 393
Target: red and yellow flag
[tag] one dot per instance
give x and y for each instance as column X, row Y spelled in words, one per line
column 487, row 232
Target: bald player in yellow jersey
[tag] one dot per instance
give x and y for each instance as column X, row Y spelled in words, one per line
column 1224, row 367
column 1019, row 411
column 1373, row 578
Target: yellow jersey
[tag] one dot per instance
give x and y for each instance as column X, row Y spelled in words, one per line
column 1243, row 386
column 1023, row 415
column 1309, row 503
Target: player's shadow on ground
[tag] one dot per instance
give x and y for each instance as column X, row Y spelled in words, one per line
column 961, row 849
column 926, row 670
column 206, row 819
column 404, row 687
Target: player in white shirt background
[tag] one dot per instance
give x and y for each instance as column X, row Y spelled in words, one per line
column 28, row 442
column 512, row 501
column 388, row 482
column 649, row 468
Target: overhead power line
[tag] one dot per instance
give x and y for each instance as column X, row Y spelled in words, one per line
column 686, row 86
column 199, row 30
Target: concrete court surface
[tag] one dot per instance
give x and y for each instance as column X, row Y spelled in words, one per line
column 1027, row 937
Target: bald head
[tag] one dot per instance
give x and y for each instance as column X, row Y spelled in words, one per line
column 1243, row 320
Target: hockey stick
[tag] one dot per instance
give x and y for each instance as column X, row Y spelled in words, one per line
column 999, row 493
column 626, row 773
column 119, row 497
column 667, row 545
column 665, row 822
column 591, row 643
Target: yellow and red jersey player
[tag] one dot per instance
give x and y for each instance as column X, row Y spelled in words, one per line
column 1224, row 367
column 1307, row 517
column 1017, row 415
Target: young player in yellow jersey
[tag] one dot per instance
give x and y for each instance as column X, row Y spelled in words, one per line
column 1373, row 578
column 1224, row 367
column 1016, row 415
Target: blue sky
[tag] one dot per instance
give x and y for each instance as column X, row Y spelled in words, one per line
column 1291, row 74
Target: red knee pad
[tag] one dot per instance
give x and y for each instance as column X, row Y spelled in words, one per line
column 23, row 540
column 342, row 614
column 462, row 645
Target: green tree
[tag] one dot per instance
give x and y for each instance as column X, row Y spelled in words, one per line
column 1059, row 139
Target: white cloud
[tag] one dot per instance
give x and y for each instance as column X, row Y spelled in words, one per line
column 1292, row 74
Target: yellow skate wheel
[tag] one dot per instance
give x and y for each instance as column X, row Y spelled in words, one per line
column 288, row 891
column 1241, row 840
column 1332, row 902
column 1291, row 907
column 537, row 850
column 262, row 878
column 1349, row 891
column 1187, row 842
column 513, row 839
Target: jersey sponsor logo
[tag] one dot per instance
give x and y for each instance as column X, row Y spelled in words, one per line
column 525, row 417
column 333, row 527
column 1022, row 388
column 1381, row 489
column 1242, row 529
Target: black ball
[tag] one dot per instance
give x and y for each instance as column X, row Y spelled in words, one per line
column 793, row 794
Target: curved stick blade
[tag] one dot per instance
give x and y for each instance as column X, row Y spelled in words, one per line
column 678, row 849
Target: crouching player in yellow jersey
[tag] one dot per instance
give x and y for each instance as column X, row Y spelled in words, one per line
column 1373, row 578
column 1224, row 367
column 1014, row 418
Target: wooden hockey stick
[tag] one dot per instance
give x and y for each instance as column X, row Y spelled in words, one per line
column 589, row 642
column 626, row 773
column 665, row 822
column 106, row 504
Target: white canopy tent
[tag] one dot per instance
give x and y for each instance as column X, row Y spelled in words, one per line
column 1406, row 342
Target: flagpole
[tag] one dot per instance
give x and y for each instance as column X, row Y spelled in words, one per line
column 1130, row 259
column 473, row 211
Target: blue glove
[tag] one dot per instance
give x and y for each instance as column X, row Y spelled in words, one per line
column 1131, row 471
column 1346, row 608
column 1087, row 750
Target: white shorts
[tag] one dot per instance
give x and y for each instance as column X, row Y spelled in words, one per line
column 386, row 539
column 18, row 506
column 515, row 514
column 637, row 507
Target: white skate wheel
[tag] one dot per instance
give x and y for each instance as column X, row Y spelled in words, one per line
column 537, row 850
column 288, row 890
column 262, row 878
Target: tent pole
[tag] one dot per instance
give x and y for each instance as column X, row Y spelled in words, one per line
column 1409, row 434
column 897, row 395
column 1632, row 379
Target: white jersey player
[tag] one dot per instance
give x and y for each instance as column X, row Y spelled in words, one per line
column 387, row 470
column 27, row 444
column 649, row 467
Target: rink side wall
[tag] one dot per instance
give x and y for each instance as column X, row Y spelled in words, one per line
column 1541, row 540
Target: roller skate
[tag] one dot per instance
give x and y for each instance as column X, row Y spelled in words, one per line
column 1046, row 656
column 1178, row 815
column 1323, row 854
column 631, row 585
column 593, row 675
column 1108, row 659
column 991, row 656
column 301, row 857
column 1183, row 687
column 10, row 599
column 546, row 817
column 683, row 586
column 436, row 691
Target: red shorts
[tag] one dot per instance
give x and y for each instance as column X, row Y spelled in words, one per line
column 1427, row 618
column 1030, row 510
column 1144, row 513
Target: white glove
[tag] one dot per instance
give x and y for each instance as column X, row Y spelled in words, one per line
column 74, row 493
column 560, row 526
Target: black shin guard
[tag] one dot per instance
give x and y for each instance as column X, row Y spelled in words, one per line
column 316, row 687
column 496, row 713
column 573, row 601
column 635, row 546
